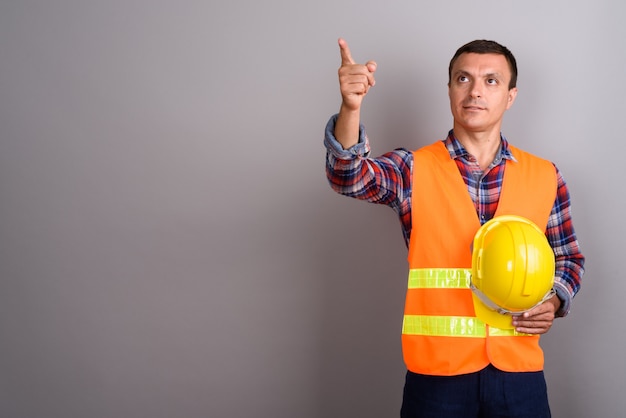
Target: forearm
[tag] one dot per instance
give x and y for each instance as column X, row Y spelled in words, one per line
column 569, row 271
column 383, row 180
column 347, row 127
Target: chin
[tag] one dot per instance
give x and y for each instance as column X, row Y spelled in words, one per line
column 471, row 125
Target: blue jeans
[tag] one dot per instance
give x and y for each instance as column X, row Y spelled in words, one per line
column 489, row 393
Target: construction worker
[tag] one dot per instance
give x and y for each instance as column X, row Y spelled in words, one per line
column 459, row 365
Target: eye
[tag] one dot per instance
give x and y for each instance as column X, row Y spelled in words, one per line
column 492, row 81
column 463, row 79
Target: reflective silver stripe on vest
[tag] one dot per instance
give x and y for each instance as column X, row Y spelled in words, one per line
column 452, row 326
column 447, row 326
column 439, row 278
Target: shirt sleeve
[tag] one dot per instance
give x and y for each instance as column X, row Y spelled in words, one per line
column 562, row 237
column 383, row 180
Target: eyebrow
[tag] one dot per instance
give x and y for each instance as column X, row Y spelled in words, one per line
column 487, row 75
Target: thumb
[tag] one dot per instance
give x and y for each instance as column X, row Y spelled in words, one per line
column 346, row 57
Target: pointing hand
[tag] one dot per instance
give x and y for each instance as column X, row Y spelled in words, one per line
column 355, row 79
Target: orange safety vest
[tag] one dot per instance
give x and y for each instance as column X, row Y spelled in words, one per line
column 441, row 334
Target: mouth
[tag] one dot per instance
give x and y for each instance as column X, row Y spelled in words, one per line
column 473, row 108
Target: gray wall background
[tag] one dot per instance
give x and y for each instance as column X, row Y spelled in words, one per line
column 169, row 246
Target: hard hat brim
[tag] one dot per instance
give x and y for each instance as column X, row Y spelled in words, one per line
column 491, row 317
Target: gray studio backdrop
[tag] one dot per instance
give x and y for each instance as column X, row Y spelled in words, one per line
column 169, row 246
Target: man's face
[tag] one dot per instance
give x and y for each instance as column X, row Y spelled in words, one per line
column 479, row 92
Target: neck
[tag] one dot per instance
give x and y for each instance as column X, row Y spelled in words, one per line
column 481, row 145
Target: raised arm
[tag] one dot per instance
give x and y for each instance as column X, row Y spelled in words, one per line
column 355, row 81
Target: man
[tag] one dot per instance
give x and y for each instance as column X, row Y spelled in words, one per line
column 443, row 193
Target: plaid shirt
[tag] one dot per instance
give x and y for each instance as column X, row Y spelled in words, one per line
column 387, row 180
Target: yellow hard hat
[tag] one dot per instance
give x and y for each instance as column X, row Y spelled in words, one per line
column 512, row 269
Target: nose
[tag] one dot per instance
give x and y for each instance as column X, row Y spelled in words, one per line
column 475, row 91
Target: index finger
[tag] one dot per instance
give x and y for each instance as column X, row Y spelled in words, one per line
column 346, row 57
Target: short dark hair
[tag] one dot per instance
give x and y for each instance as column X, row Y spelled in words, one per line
column 482, row 46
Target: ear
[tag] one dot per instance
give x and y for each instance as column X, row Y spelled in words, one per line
column 512, row 96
